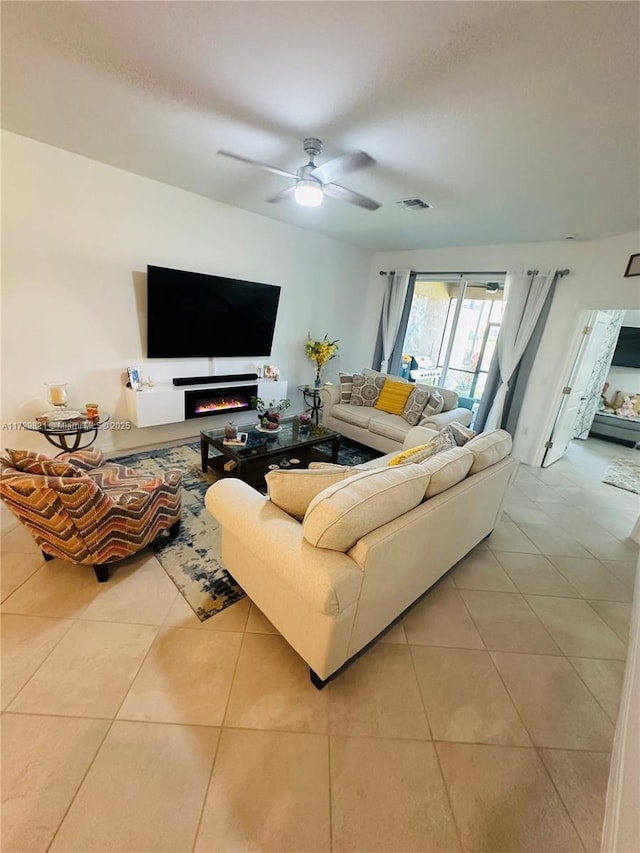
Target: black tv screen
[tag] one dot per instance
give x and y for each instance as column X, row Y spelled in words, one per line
column 627, row 351
column 191, row 314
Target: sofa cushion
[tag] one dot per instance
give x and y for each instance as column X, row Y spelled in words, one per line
column 415, row 404
column 348, row 510
column 460, row 433
column 369, row 371
column 438, row 444
column 446, row 469
column 366, row 389
column 356, row 415
column 389, row 426
column 293, row 491
column 393, row 397
column 489, row 448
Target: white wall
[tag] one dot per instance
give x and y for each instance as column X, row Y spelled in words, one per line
column 77, row 237
column 625, row 378
column 596, row 281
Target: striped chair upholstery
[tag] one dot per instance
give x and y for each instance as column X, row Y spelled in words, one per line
column 82, row 510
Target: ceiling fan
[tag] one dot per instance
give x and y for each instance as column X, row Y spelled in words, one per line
column 313, row 182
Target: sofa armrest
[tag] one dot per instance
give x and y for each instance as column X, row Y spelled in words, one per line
column 330, row 395
column 329, row 581
column 437, row 422
column 418, row 435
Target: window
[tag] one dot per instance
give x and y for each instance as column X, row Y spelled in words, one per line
column 452, row 332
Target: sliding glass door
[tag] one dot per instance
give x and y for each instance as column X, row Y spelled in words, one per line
column 452, row 332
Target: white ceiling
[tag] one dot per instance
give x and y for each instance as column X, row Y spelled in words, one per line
column 517, row 121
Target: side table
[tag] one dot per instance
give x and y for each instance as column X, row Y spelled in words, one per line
column 67, row 435
column 312, row 401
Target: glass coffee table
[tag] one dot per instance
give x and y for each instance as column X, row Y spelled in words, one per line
column 292, row 446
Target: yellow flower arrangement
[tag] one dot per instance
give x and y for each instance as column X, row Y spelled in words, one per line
column 321, row 352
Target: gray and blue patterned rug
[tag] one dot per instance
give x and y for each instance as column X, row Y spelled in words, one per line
column 192, row 560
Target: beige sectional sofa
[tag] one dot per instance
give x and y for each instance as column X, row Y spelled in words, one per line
column 381, row 430
column 367, row 546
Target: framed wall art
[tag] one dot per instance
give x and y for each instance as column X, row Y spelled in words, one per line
column 633, row 267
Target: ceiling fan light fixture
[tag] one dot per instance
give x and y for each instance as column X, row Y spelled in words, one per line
column 308, row 193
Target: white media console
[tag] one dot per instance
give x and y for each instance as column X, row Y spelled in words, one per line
column 165, row 403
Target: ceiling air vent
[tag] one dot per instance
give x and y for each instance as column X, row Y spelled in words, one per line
column 414, row 204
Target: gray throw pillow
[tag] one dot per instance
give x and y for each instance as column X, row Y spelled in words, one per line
column 346, row 387
column 435, row 405
column 366, row 390
column 460, row 433
column 414, row 406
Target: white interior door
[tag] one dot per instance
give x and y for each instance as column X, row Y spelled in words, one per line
column 591, row 341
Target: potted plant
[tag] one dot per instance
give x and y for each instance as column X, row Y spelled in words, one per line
column 321, row 352
column 269, row 413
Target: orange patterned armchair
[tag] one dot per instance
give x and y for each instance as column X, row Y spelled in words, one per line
column 82, row 509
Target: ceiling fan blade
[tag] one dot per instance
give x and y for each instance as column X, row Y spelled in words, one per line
column 266, row 166
column 281, row 195
column 339, row 166
column 342, row 193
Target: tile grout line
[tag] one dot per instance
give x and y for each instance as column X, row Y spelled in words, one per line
column 222, row 729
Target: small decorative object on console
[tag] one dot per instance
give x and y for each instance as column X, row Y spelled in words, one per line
column 134, row 378
column 93, row 411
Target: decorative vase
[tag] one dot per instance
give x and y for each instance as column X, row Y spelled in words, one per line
column 231, row 431
column 318, row 381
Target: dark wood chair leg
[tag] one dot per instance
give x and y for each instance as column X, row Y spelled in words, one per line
column 174, row 529
column 47, row 556
column 102, row 572
column 317, row 682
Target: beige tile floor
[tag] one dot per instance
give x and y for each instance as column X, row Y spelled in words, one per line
column 483, row 721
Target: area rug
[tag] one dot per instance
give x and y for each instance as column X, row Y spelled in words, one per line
column 192, row 559
column 624, row 474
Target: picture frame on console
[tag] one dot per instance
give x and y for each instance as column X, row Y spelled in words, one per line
column 270, row 371
column 134, row 378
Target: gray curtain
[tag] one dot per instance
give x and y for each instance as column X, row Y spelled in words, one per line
column 519, row 380
column 396, row 354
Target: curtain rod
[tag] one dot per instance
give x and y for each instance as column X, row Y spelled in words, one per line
column 473, row 272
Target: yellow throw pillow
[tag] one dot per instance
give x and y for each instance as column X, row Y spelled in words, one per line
column 442, row 441
column 406, row 454
column 393, row 397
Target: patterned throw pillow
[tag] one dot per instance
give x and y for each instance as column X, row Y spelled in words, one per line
column 18, row 456
column 366, row 390
column 42, row 466
column 393, row 397
column 442, row 441
column 435, row 404
column 415, row 404
column 346, row 387
column 461, row 434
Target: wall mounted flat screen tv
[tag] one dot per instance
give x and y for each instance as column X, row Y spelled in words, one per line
column 627, row 351
column 190, row 315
